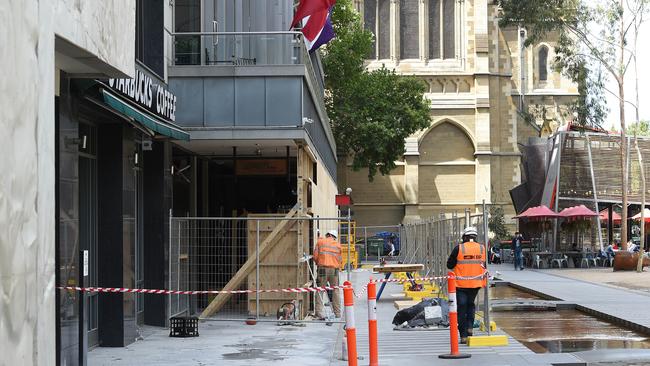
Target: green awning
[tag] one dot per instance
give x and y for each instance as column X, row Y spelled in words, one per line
column 146, row 119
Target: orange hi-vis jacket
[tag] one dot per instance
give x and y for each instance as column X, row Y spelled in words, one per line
column 327, row 253
column 470, row 263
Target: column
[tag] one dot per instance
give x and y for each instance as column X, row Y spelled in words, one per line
column 411, row 179
column 423, row 29
column 482, row 91
column 394, row 30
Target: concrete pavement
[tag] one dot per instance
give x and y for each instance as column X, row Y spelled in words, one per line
column 423, row 347
column 234, row 343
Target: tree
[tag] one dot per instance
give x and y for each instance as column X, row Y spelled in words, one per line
column 497, row 224
column 371, row 112
column 582, row 43
column 641, row 128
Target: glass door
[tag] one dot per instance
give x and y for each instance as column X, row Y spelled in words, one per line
column 139, row 237
column 88, row 220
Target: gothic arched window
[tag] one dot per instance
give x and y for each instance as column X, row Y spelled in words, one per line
column 543, row 63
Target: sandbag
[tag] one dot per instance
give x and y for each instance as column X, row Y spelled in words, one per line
column 626, row 261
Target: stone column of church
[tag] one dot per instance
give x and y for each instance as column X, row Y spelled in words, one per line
column 411, row 180
column 394, row 30
column 483, row 152
column 423, row 29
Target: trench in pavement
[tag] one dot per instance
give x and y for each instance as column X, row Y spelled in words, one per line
column 545, row 328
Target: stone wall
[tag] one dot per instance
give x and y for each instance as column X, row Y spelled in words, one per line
column 470, row 152
column 28, row 29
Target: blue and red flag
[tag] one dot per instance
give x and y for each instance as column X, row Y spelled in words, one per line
column 315, row 16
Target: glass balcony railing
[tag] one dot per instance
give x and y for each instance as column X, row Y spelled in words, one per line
column 238, row 48
column 243, row 49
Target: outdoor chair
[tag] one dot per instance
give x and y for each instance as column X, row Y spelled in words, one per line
column 539, row 262
column 506, row 256
column 560, row 258
column 593, row 259
column 608, row 262
column 584, row 260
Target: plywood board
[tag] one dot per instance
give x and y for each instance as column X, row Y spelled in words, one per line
column 398, row 268
column 280, row 268
column 405, row 304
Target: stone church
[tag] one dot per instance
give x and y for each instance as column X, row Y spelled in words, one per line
column 482, row 82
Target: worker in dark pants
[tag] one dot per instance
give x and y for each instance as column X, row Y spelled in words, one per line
column 467, row 260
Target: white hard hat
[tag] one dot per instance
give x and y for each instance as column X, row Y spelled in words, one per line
column 470, row 231
column 334, row 233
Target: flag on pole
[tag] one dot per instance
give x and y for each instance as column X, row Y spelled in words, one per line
column 315, row 16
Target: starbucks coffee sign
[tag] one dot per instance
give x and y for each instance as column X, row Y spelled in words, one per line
column 147, row 93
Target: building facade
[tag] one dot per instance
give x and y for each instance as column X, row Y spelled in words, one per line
column 251, row 95
column 115, row 139
column 487, row 92
column 97, row 163
column 50, row 41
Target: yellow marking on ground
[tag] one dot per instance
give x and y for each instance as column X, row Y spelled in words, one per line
column 487, row 341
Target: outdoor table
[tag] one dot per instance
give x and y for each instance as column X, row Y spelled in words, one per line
column 575, row 258
column 389, row 269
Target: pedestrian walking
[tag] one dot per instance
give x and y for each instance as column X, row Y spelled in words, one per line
column 517, row 246
column 467, row 260
column 327, row 255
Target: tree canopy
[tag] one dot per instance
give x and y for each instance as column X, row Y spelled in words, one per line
column 642, row 128
column 372, row 112
column 577, row 55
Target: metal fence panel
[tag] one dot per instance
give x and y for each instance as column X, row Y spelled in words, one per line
column 259, row 252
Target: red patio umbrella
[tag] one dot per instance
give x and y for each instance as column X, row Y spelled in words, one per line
column 577, row 213
column 604, row 216
column 540, row 212
column 646, row 216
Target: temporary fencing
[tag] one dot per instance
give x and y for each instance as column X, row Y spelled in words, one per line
column 374, row 241
column 429, row 242
column 227, row 264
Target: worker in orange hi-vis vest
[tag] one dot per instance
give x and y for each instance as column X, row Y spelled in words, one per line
column 327, row 255
column 467, row 260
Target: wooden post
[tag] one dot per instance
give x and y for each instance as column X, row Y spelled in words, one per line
column 639, row 265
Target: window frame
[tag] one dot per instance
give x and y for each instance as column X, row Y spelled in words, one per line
column 542, row 48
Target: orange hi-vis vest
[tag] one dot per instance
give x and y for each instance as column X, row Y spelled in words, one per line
column 327, row 253
column 470, row 263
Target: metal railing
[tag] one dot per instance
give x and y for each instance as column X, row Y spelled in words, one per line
column 245, row 49
column 238, row 48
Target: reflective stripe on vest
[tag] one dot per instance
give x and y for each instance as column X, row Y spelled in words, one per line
column 470, row 268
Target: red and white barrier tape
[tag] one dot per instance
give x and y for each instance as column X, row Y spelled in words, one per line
column 282, row 290
column 421, row 279
column 179, row 292
column 363, row 291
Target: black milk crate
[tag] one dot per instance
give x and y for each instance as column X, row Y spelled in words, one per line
column 184, row 326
